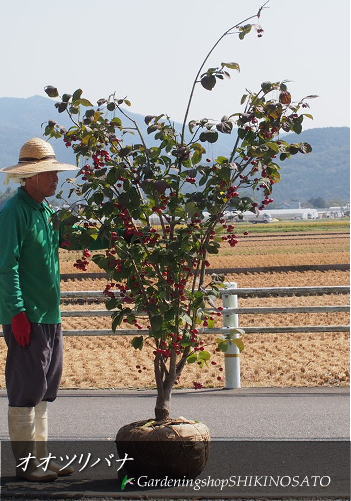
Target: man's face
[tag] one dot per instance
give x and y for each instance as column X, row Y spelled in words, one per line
column 43, row 184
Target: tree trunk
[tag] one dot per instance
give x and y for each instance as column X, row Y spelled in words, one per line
column 165, row 381
column 163, row 404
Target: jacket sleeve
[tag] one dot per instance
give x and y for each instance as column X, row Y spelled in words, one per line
column 13, row 231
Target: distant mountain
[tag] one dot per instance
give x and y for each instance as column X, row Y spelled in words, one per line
column 323, row 173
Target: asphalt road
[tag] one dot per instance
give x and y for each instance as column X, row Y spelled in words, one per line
column 243, row 414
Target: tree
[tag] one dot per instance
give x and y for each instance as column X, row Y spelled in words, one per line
column 317, row 202
column 160, row 271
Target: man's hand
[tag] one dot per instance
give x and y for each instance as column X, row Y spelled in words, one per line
column 22, row 328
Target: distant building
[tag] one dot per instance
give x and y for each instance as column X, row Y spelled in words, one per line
column 293, row 214
column 268, row 215
column 332, row 212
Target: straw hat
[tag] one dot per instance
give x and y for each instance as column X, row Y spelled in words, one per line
column 37, row 156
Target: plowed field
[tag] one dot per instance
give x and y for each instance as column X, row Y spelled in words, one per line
column 272, row 250
column 310, row 359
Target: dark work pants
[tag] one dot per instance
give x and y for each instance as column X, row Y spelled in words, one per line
column 33, row 373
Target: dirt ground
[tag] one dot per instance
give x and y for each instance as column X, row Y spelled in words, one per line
column 314, row 359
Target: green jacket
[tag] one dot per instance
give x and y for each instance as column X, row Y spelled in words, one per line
column 29, row 261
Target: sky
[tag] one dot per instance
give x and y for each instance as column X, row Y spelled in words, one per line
column 150, row 51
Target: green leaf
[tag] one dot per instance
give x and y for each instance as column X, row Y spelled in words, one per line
column 211, row 136
column 117, row 319
column 98, row 198
column 222, row 160
column 246, row 27
column 212, row 248
column 239, row 343
column 242, row 133
column 191, row 208
column 204, row 355
column 203, row 180
column 243, row 99
column 305, row 148
column 111, row 303
column 111, row 106
column 308, row 115
column 76, row 94
column 192, row 358
column 196, row 158
column 170, row 314
column 244, row 30
column 138, row 342
column 297, row 127
column 51, row 91
column 236, row 331
column 89, row 113
column 273, row 146
column 66, row 97
column 148, row 119
column 117, row 121
column 151, row 129
column 223, row 345
column 61, row 107
column 266, row 86
column 48, row 130
column 232, row 66
column 208, row 81
column 211, row 323
column 225, row 127
column 156, row 322
column 84, row 102
column 74, row 110
column 127, row 102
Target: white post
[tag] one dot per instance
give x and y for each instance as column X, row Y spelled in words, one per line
column 232, row 356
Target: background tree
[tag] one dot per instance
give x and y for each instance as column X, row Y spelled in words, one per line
column 317, row 202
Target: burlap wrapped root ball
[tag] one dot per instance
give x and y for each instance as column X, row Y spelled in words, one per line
column 177, row 448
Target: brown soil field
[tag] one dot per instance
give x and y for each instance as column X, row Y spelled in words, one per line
column 276, row 279
column 277, row 250
column 312, row 359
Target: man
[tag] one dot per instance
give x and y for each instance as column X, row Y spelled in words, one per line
column 29, row 304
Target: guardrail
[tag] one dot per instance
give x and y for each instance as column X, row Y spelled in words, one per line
column 231, row 312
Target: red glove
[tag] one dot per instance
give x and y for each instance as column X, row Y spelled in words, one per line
column 22, row 328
